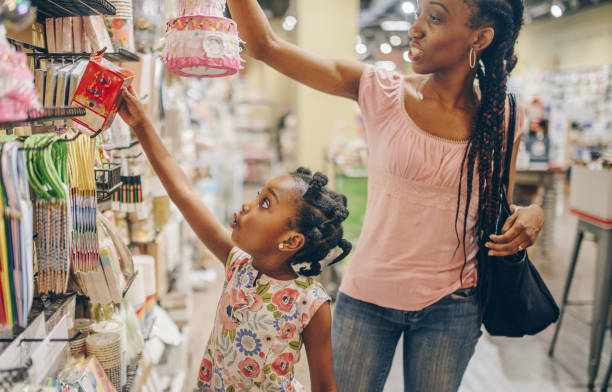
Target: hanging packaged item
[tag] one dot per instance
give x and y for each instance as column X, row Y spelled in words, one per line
column 47, row 170
column 18, row 96
column 201, row 42
column 99, row 92
column 16, row 236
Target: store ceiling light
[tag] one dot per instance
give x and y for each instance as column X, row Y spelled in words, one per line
column 408, row 7
column 556, row 10
column 360, row 48
column 406, row 57
column 395, row 40
column 395, row 25
column 385, row 48
column 289, row 23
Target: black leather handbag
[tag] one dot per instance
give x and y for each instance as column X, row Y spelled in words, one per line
column 515, row 299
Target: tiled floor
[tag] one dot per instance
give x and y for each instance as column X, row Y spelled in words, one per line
column 500, row 364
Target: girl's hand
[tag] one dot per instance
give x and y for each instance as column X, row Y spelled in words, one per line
column 519, row 232
column 131, row 110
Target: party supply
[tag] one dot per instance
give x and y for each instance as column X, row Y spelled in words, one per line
column 201, row 42
column 106, row 347
column 86, row 374
column 85, row 247
column 115, row 326
column 99, row 92
column 17, row 93
column 16, row 236
column 47, row 159
column 145, row 265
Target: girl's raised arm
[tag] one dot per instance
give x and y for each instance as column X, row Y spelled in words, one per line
column 337, row 77
column 200, row 218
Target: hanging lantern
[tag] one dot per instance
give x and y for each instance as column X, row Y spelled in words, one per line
column 201, row 42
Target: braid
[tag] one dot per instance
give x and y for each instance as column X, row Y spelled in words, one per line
column 485, row 147
column 319, row 218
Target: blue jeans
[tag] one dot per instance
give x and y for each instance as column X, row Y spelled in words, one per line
column 438, row 343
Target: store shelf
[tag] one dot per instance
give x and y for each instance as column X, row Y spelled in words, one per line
column 122, row 56
column 39, row 53
column 47, row 114
column 59, row 8
column 50, row 306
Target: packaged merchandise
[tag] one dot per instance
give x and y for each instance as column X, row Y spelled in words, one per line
column 201, row 42
column 99, row 92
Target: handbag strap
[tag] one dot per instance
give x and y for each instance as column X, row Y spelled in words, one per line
column 510, row 140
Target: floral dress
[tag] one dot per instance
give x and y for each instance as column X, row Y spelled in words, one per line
column 257, row 335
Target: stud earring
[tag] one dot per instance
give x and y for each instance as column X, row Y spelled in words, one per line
column 281, row 246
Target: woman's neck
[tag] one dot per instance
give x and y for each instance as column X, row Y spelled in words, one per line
column 453, row 90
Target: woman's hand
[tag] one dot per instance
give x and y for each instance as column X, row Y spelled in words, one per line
column 131, row 110
column 519, row 232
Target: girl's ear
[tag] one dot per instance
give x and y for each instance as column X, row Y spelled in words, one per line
column 293, row 242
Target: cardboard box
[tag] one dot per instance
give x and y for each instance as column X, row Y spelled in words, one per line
column 591, row 194
column 99, row 92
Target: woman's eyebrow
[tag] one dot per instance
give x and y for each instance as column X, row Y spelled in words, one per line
column 441, row 5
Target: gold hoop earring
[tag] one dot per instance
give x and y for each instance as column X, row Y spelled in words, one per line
column 472, row 58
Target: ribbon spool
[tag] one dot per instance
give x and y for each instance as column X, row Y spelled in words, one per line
column 145, row 265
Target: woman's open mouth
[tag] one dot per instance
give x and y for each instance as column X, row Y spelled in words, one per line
column 415, row 53
column 234, row 223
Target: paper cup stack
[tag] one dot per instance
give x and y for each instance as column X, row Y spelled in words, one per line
column 106, row 347
column 115, row 326
column 77, row 346
column 121, row 25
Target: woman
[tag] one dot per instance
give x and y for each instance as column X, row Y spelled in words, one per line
column 436, row 142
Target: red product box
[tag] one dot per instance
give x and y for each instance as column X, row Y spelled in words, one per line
column 99, row 92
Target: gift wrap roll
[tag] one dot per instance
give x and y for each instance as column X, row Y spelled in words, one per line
column 145, row 264
column 136, row 294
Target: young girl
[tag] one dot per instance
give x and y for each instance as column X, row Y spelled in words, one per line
column 270, row 303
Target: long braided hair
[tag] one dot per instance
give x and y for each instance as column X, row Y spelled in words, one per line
column 485, row 147
column 320, row 214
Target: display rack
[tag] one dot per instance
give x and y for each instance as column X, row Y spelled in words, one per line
column 47, row 114
column 38, row 53
column 59, row 8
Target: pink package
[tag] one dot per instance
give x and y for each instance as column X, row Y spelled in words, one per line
column 18, row 96
column 202, row 45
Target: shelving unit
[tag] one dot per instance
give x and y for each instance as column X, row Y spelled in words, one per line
column 38, row 53
column 48, row 114
column 59, row 8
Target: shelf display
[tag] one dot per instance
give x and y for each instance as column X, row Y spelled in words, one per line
column 58, row 8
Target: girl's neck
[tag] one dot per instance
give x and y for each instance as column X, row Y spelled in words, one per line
column 283, row 273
